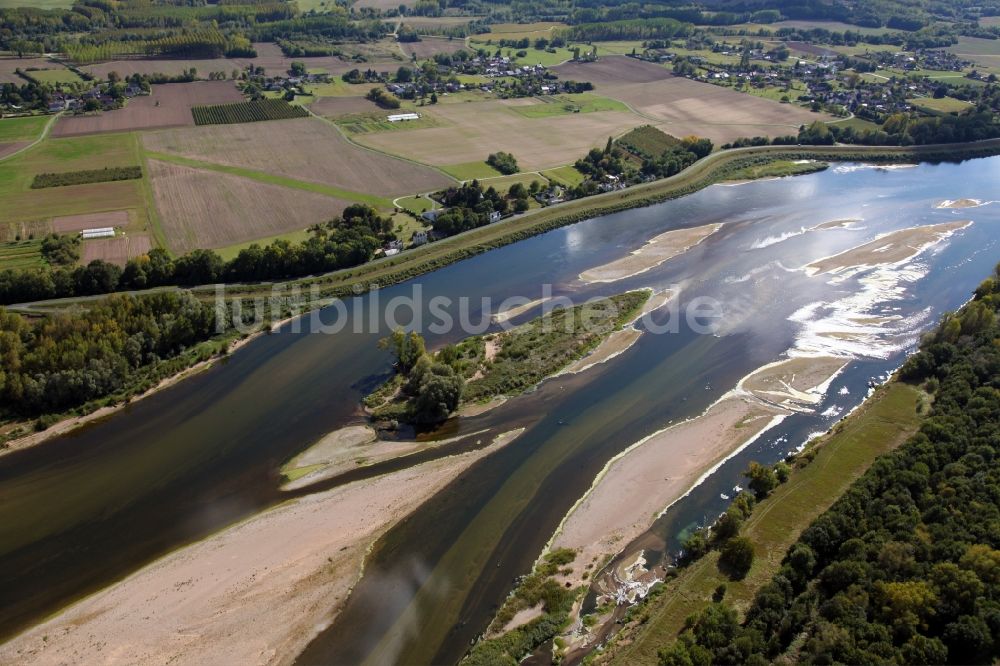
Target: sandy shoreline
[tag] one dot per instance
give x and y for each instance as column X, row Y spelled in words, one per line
column 350, row 448
column 255, row 593
column 638, row 484
column 890, row 248
column 621, row 340
column 656, row 251
column 508, row 314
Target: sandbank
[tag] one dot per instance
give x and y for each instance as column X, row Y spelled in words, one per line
column 255, row 593
column 890, row 248
column 961, row 203
column 640, row 483
column 656, row 251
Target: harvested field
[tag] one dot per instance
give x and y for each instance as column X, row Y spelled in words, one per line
column 306, row 149
column 9, row 64
column 115, row 250
column 342, row 106
column 169, row 105
column 269, row 56
column 11, row 147
column 613, row 70
column 428, row 46
column 681, row 107
column 476, row 129
column 208, row 209
column 69, row 223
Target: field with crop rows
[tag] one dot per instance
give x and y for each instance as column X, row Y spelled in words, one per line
column 246, row 112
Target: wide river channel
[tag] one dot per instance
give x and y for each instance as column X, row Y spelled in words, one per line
column 84, row 510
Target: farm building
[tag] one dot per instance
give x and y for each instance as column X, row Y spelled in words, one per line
column 398, row 117
column 102, row 232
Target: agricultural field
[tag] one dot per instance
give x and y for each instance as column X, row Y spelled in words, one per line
column 8, row 65
column 22, row 129
column 209, row 209
column 429, row 46
column 23, row 204
column 53, row 76
column 231, row 251
column 38, row 4
column 382, row 4
column 470, row 170
column 363, row 123
column 682, row 107
column 516, row 31
column 72, row 223
column 647, row 140
column 613, row 71
column 11, row 147
column 941, row 105
column 307, row 149
column 169, row 105
column 21, row 254
column 334, row 107
column 560, row 105
column 116, row 250
column 477, row 129
column 246, row 112
column 567, row 176
column 985, row 52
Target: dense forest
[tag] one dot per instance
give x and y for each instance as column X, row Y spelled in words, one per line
column 905, row 567
column 66, row 360
column 348, row 240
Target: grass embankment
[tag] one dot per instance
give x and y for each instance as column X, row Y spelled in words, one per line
column 778, row 169
column 881, row 424
column 511, row 362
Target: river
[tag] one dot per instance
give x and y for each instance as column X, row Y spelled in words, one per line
column 83, row 510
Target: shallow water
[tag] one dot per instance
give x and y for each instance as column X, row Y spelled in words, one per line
column 86, row 509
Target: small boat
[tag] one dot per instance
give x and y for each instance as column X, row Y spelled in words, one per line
column 724, row 496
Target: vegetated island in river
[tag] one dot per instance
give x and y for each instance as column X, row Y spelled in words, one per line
column 429, row 387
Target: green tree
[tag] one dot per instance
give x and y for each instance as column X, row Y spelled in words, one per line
column 762, row 479
column 737, row 557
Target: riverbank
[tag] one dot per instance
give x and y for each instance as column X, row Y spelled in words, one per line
column 222, row 346
column 645, row 479
column 883, row 422
column 715, row 168
column 255, row 593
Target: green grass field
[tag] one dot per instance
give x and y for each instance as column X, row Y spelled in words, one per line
column 883, row 423
column 22, row 129
column 942, row 105
column 55, row 76
column 404, row 226
column 561, row 105
column 566, row 176
column 504, row 183
column 470, row 170
column 231, row 251
column 63, row 155
column 536, row 57
column 415, row 204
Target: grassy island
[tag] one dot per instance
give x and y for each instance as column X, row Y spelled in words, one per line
column 428, row 387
